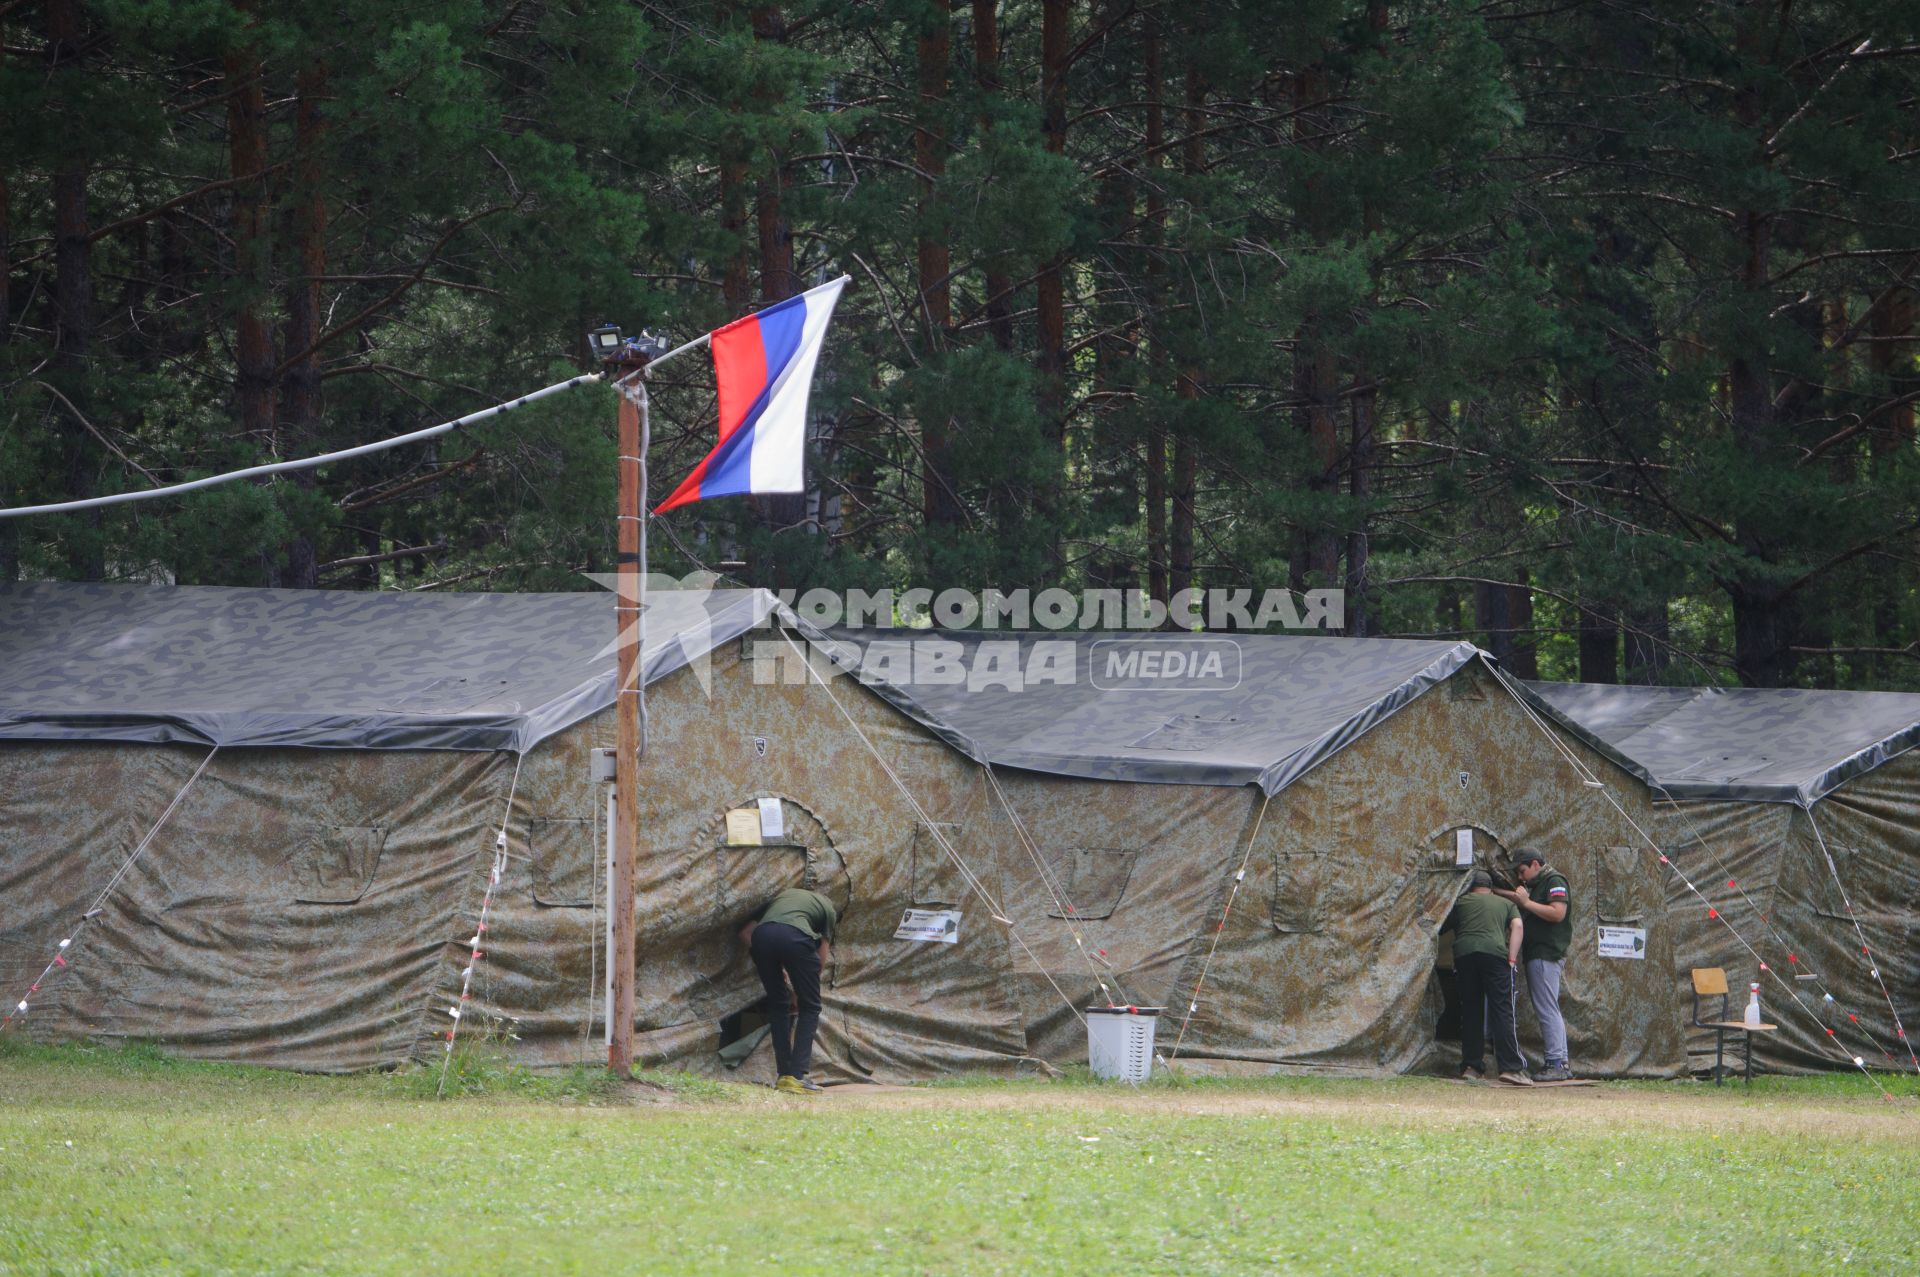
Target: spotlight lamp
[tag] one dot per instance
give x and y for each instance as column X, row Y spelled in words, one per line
column 605, row 342
column 609, row 345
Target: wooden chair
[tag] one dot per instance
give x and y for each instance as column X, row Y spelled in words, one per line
column 1707, row 982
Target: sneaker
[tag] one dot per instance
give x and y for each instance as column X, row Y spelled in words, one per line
column 1554, row 1073
column 787, row 1085
column 1516, row 1079
column 1470, row 1074
column 809, row 1085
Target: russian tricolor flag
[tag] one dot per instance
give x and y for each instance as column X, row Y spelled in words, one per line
column 764, row 365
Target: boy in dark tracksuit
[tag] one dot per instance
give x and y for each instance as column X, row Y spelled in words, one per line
column 789, row 946
column 1486, row 948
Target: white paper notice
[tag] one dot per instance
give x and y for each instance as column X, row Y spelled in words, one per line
column 1463, row 846
column 773, row 825
column 1623, row 942
column 939, row 925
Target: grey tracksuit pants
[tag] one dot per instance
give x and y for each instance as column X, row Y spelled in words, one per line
column 1543, row 990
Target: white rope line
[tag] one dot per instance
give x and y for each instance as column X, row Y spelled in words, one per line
column 1592, row 781
column 1239, row 877
column 304, row 463
column 1678, row 808
column 458, row 1010
column 1713, row 913
column 65, row 947
column 1866, row 951
column 998, row 914
column 594, row 929
column 1061, row 900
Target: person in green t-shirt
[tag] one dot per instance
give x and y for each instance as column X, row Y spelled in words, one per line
column 1486, row 945
column 789, row 945
column 1546, row 909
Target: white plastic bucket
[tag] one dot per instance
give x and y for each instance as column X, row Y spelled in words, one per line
column 1120, row 1042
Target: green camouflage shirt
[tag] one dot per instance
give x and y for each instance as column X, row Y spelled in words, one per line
column 1479, row 923
column 809, row 911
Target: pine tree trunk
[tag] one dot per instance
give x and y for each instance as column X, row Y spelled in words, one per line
column 300, row 405
column 736, row 278
column 1050, row 287
column 1193, row 160
column 1524, row 662
column 73, row 288
column 1155, row 232
column 986, row 74
column 1890, row 359
column 247, row 158
column 1493, row 617
column 1647, row 633
column 1891, row 362
column 1360, row 485
column 1314, row 370
column 1185, row 472
column 1365, row 420
column 1599, row 645
column 6, row 255
column 939, row 506
column 9, row 534
column 777, row 278
column 1762, row 620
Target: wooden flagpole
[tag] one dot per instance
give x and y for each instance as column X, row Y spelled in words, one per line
column 630, row 713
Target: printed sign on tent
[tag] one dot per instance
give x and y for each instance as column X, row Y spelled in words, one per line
column 743, row 827
column 773, row 826
column 1463, row 846
column 1623, row 942
column 942, row 926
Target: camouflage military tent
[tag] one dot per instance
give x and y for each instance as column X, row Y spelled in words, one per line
column 1341, row 774
column 306, row 903
column 1797, row 813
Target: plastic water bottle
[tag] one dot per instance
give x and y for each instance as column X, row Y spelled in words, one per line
column 1753, row 1003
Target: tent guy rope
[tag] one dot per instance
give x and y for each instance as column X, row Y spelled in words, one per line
column 998, row 914
column 1591, row 781
column 1866, row 950
column 63, row 952
column 1213, row 946
column 475, row 948
column 1678, row 807
column 1061, row 901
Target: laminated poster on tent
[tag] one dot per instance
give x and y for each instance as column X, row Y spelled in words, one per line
column 940, row 926
column 1623, row 942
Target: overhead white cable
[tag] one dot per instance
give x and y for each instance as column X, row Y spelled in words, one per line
column 305, row 463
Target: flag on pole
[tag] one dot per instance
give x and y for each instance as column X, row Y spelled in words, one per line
column 764, row 366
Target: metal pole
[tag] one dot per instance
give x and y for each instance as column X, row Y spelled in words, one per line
column 606, row 987
column 629, row 709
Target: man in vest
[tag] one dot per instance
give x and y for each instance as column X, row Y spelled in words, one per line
column 789, row 946
column 1486, row 943
column 1546, row 914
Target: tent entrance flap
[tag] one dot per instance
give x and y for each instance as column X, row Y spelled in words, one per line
column 1453, row 855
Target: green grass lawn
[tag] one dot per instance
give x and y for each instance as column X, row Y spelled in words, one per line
column 118, row 1162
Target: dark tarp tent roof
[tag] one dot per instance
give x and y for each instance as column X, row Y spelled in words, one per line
column 1751, row 743
column 1296, row 701
column 338, row 670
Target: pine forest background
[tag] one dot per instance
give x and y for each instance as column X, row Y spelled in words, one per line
column 1584, row 330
